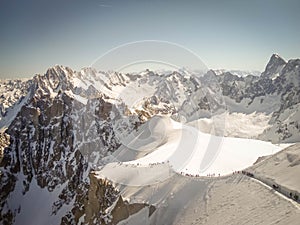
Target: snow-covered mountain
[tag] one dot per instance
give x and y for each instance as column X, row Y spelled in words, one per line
column 53, row 138
column 58, row 126
column 239, row 73
column 274, row 93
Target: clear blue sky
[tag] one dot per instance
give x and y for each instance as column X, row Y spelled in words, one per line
column 234, row 34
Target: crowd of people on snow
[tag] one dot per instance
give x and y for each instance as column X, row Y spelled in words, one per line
column 247, row 173
column 197, row 175
column 244, row 172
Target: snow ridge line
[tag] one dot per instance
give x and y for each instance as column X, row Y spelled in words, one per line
column 280, row 190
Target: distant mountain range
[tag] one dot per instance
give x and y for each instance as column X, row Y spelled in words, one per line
column 57, row 126
column 239, row 73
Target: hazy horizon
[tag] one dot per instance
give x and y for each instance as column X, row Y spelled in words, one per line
column 231, row 35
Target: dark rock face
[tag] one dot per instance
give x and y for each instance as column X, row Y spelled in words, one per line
column 101, row 195
column 52, row 143
column 105, row 205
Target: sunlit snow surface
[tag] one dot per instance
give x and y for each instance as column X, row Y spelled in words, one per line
column 240, row 125
column 184, row 149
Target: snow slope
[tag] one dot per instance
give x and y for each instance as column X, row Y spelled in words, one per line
column 234, row 124
column 282, row 168
column 238, row 200
column 234, row 199
column 286, row 127
column 189, row 151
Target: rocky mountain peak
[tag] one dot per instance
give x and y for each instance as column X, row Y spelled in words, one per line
column 58, row 72
column 274, row 66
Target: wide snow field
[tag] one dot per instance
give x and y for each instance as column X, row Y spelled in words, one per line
column 189, row 151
